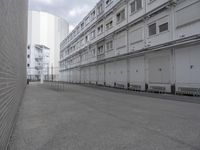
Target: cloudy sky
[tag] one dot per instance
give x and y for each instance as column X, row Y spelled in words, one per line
column 71, row 10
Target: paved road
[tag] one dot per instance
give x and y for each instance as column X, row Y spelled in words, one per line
column 83, row 118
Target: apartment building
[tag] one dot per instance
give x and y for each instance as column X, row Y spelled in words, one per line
column 142, row 45
column 38, row 62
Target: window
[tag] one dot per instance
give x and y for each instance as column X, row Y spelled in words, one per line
column 152, row 29
column 92, row 35
column 82, row 25
column 109, row 45
column 109, row 25
column 82, row 42
column 86, row 38
column 133, row 7
column 77, row 30
column 100, row 29
column 108, row 2
column 28, row 56
column 139, row 4
column 93, row 15
column 100, row 9
column 121, row 16
column 28, row 65
column 100, row 50
column 163, row 27
column 93, row 52
column 136, row 5
column 151, row 1
column 87, row 20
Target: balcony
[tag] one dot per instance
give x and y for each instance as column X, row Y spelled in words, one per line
column 38, row 57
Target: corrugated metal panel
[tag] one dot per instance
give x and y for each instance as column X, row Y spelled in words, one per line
column 13, row 30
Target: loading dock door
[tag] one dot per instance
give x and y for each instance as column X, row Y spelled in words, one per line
column 137, row 73
column 188, row 65
column 159, row 70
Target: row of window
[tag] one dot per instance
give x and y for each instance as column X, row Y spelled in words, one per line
column 153, row 29
column 135, row 6
column 93, row 53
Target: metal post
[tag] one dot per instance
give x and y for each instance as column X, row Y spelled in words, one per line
column 41, row 76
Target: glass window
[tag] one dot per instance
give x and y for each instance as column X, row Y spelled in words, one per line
column 139, row 4
column 100, row 29
column 133, row 7
column 163, row 27
column 121, row 16
column 108, row 2
column 100, row 50
column 109, row 25
column 152, row 29
column 136, row 5
column 109, row 45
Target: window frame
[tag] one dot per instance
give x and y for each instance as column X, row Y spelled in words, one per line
column 108, row 45
column 101, row 29
column 109, row 24
column 121, row 15
column 154, row 23
column 109, row 2
column 163, row 25
column 100, row 51
column 136, row 9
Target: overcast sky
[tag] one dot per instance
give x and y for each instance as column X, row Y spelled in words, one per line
column 71, row 10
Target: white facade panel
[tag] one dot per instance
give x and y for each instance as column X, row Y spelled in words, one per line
column 93, row 74
column 159, row 70
column 187, row 19
column 137, row 72
column 152, row 4
column 136, row 37
column 110, row 74
column 121, row 72
column 101, row 74
column 159, row 37
column 188, row 14
column 121, row 43
column 188, row 65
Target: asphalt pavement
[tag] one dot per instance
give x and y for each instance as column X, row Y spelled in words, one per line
column 89, row 118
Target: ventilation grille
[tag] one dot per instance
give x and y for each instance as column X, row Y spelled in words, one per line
column 135, row 87
column 121, row 86
column 159, row 89
column 189, row 91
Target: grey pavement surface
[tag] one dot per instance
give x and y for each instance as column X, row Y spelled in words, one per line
column 84, row 118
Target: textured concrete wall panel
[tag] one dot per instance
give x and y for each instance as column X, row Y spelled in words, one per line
column 13, row 39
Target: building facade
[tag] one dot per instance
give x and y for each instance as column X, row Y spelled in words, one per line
column 49, row 30
column 38, row 61
column 13, row 44
column 143, row 45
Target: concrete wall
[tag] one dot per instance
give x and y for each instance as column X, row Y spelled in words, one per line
column 13, row 39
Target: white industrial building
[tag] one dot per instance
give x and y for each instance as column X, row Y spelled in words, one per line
column 38, row 60
column 143, row 45
column 49, row 30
